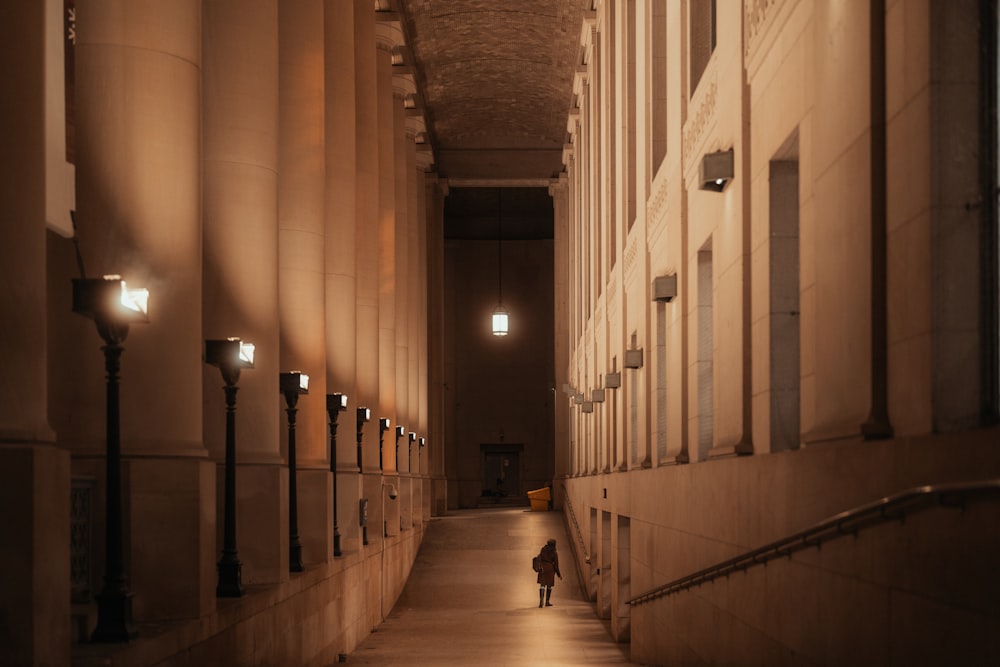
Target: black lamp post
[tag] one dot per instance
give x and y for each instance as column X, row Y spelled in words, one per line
column 423, row 443
column 230, row 356
column 383, row 426
column 364, row 414
column 400, row 432
column 113, row 307
column 335, row 404
column 292, row 384
column 409, row 450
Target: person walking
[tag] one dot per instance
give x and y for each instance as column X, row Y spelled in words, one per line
column 548, row 569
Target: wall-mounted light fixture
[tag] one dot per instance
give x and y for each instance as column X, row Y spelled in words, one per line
column 292, row 384
column 501, row 318
column 113, row 307
column 613, row 380
column 230, row 356
column 715, row 171
column 597, row 395
column 587, row 406
column 335, row 404
column 664, row 288
column 578, row 398
column 633, row 358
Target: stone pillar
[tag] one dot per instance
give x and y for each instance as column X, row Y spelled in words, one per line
column 240, row 253
column 34, row 474
column 302, row 297
column 138, row 133
column 421, row 502
column 388, row 34
column 367, row 248
column 344, row 39
column 434, row 451
column 560, row 279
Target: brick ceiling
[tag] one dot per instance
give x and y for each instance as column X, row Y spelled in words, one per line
column 495, row 78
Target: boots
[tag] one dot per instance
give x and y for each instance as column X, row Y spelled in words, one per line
column 548, row 594
column 541, row 596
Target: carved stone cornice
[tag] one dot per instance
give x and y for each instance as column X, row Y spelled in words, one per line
column 756, row 16
column 698, row 122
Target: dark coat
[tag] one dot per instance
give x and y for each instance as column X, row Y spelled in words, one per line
column 549, row 558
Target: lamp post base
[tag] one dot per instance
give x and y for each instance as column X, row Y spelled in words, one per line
column 230, row 577
column 114, row 618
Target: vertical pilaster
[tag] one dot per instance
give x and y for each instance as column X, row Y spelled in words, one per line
column 240, row 255
column 34, row 475
column 560, row 201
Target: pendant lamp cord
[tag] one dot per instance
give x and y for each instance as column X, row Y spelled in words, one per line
column 499, row 250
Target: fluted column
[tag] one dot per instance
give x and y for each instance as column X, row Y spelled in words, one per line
column 240, row 98
column 138, row 134
column 302, row 299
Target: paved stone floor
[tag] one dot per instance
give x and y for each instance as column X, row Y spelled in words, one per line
column 472, row 600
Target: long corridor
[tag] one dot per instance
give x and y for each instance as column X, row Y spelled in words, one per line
column 472, row 600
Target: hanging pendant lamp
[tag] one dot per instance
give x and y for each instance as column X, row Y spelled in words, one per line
column 501, row 319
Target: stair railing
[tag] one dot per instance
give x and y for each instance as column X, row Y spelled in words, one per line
column 890, row 508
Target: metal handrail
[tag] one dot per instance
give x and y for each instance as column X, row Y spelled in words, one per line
column 579, row 533
column 890, row 508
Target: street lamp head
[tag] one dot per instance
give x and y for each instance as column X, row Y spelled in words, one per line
column 229, row 355
column 294, row 382
column 383, row 424
column 336, row 402
column 364, row 414
column 111, row 304
column 413, row 436
column 423, row 442
column 400, row 430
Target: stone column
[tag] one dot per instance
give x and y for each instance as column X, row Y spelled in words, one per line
column 34, row 474
column 388, row 34
column 240, row 253
column 560, row 197
column 138, row 133
column 434, row 451
column 343, row 208
column 367, row 248
column 302, row 297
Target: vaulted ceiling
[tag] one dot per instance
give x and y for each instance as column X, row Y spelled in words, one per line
column 495, row 79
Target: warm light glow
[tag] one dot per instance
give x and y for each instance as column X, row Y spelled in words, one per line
column 500, row 321
column 246, row 354
column 303, row 382
column 343, row 401
column 135, row 299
